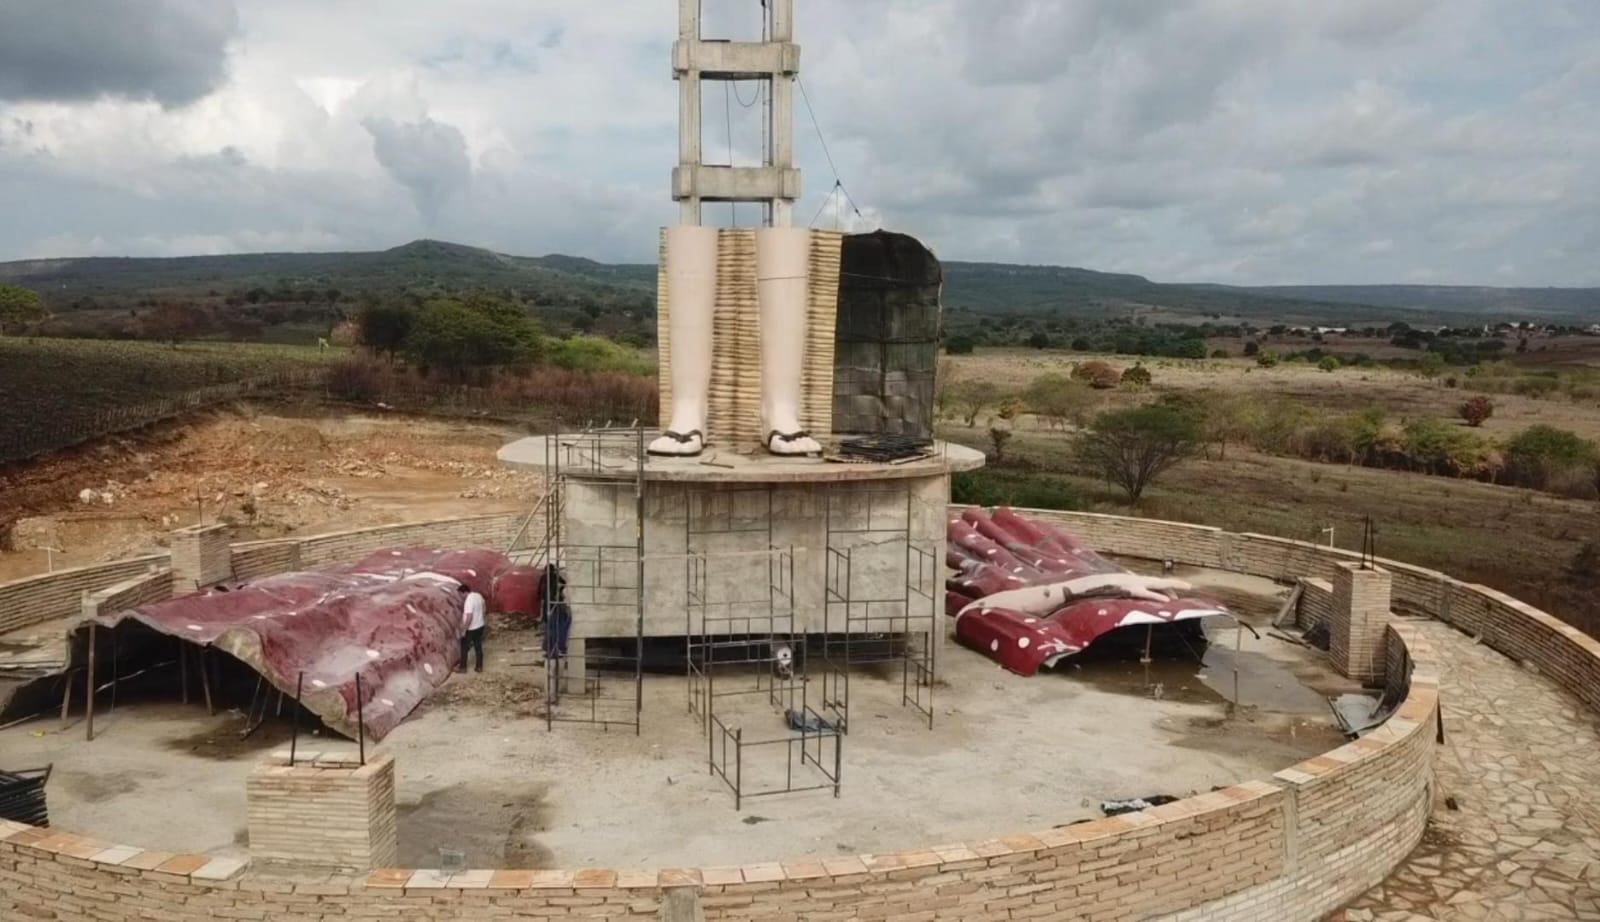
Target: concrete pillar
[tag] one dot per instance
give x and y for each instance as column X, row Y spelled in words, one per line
column 200, row 557
column 324, row 811
column 1359, row 617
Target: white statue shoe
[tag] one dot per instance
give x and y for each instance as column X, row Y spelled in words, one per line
column 678, row 444
column 794, row 442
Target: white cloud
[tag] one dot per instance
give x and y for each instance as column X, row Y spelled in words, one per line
column 1228, row 140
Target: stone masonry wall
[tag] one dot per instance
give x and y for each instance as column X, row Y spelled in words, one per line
column 130, row 593
column 1292, row 848
column 30, row 601
column 489, row 531
column 1316, row 602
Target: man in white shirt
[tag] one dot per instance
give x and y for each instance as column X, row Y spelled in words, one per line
column 472, row 624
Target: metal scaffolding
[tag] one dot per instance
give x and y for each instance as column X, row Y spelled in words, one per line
column 599, row 686
column 871, row 527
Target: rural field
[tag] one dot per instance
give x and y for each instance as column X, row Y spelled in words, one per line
column 1520, row 540
column 61, row 392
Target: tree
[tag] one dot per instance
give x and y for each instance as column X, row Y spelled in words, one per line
column 19, row 306
column 1329, row 363
column 173, row 323
column 1251, row 348
column 1039, row 340
column 960, row 344
column 385, row 326
column 1430, row 365
column 1133, row 447
column 1082, row 345
column 1057, row 400
column 468, row 338
column 1476, row 410
column 1229, row 418
column 972, row 396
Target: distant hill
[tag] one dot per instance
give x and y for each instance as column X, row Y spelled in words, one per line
column 1532, row 302
column 574, row 282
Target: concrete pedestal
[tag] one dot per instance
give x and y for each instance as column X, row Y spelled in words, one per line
column 843, row 547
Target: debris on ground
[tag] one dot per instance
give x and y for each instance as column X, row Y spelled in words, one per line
column 1134, row 805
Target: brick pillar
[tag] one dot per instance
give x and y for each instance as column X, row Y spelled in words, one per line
column 200, row 557
column 1358, row 620
column 323, row 812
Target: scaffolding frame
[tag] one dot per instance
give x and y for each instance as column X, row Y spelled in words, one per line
column 855, row 630
column 595, row 688
column 756, row 640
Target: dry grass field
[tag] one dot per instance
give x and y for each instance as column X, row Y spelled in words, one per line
column 1401, row 394
column 1518, row 540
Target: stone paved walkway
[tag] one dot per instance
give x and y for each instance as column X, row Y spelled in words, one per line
column 1521, row 761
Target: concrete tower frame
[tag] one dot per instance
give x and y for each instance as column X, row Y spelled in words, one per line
column 776, row 60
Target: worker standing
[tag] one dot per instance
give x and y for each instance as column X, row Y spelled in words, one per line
column 472, row 620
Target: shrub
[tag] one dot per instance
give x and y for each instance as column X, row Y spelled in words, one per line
column 1057, row 400
column 1005, row 488
column 1451, row 382
column 960, row 344
column 998, row 437
column 1010, row 408
column 1476, row 410
column 1097, row 374
column 1538, row 454
column 354, row 379
column 1251, row 348
column 1436, row 447
column 1267, row 359
column 1137, row 376
column 594, row 353
column 1039, row 341
column 1329, row 363
column 1584, row 568
column 1219, row 353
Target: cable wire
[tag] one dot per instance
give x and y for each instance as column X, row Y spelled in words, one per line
column 838, row 184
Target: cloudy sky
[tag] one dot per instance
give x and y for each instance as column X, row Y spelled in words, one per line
column 1248, row 141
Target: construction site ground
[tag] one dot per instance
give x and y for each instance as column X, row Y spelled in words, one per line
column 267, row 472
column 478, row 772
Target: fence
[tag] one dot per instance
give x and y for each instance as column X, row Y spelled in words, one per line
column 41, row 435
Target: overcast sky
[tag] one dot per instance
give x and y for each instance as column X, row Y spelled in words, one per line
column 1246, row 141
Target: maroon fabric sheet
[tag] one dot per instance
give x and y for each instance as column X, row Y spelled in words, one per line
column 1002, row 551
column 394, row 619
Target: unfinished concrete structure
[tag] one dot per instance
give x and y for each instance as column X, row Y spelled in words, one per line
column 774, row 61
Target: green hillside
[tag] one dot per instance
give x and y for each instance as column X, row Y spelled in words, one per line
column 567, row 286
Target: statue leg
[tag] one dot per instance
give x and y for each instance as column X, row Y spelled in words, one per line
column 692, row 296
column 783, row 258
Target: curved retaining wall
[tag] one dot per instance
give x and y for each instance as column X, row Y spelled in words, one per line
column 1294, row 847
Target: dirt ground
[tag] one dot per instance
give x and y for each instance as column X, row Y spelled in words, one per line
column 478, row 772
column 266, row 472
column 1401, row 394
